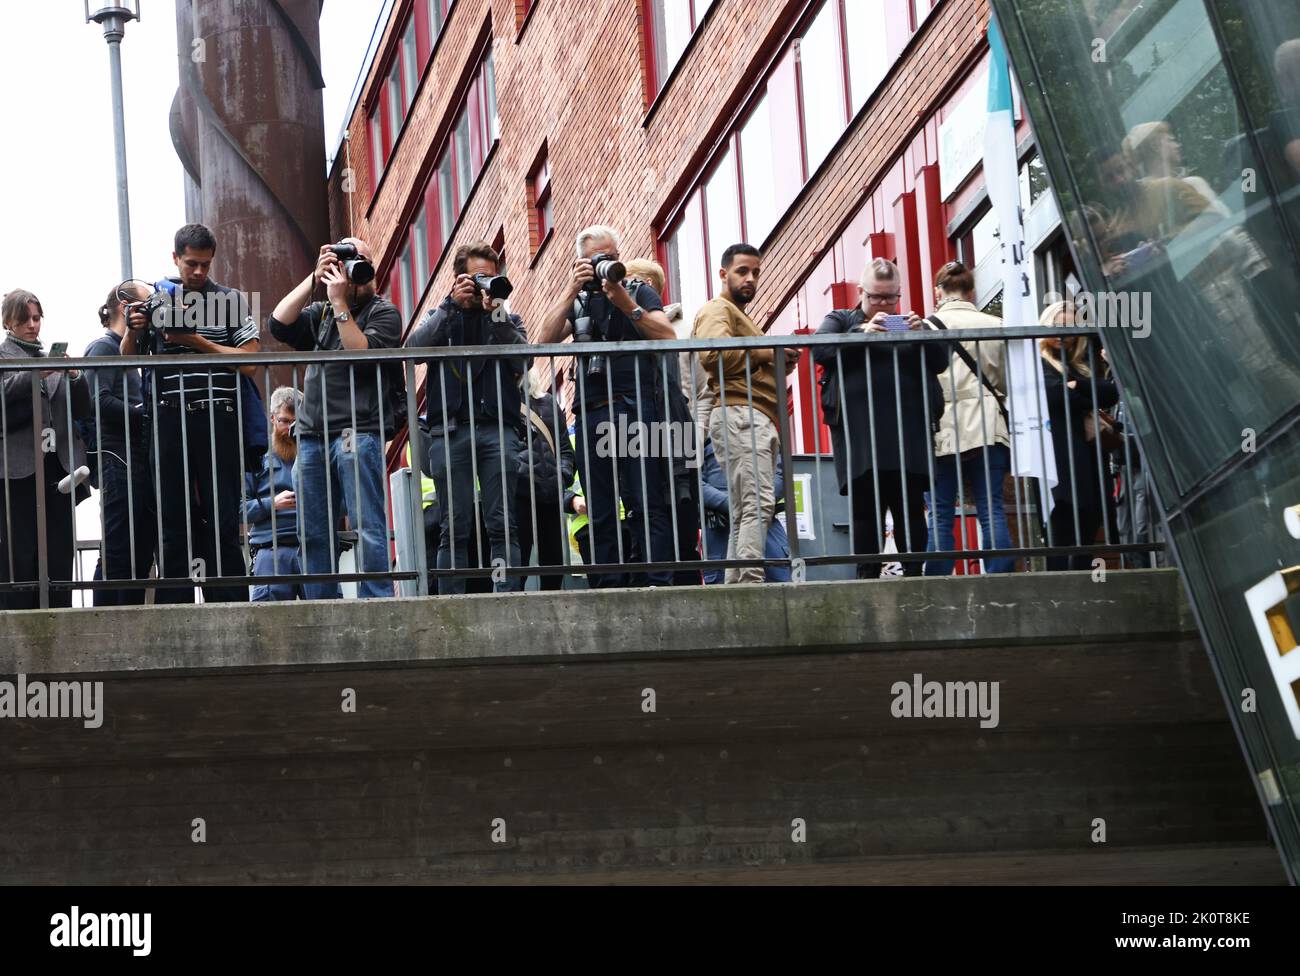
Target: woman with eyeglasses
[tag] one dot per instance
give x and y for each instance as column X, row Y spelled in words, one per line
column 879, row 437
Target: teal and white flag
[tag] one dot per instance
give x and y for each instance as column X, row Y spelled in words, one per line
column 1031, row 439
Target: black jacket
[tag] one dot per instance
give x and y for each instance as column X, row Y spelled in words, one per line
column 919, row 365
column 116, row 417
column 332, row 407
column 545, row 463
column 1077, row 404
column 451, row 325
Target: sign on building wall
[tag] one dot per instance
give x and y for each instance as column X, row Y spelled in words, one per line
column 803, row 506
column 961, row 134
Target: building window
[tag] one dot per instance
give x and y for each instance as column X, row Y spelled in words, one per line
column 522, row 7
column 821, row 84
column 396, row 104
column 722, row 206
column 464, row 164
column 797, row 114
column 443, row 196
column 392, row 99
column 868, row 48
column 670, row 24
column 403, row 298
column 499, row 245
column 377, row 152
column 420, row 245
column 539, row 201
column 410, row 66
column 437, row 16
column 446, row 195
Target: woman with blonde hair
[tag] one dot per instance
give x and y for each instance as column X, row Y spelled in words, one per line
column 1068, row 380
column 538, row 501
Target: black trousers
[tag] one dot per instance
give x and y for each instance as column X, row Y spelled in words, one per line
column 185, row 449
column 907, row 508
column 688, row 541
column 18, row 535
column 1062, row 522
column 551, row 536
column 130, row 523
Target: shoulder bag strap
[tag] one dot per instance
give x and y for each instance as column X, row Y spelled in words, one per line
column 542, row 429
column 969, row 360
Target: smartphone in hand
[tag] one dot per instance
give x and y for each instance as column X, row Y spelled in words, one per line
column 59, row 350
column 895, row 323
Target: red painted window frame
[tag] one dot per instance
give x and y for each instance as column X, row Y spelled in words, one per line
column 806, row 17
column 394, row 58
column 539, row 198
column 655, row 77
column 473, row 108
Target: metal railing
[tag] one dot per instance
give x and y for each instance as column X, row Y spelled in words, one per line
column 500, row 470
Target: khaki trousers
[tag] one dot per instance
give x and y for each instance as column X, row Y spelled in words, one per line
column 746, row 444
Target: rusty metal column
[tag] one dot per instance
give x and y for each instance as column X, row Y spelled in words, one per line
column 251, row 71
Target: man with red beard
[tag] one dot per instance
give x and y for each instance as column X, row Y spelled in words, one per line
column 270, row 510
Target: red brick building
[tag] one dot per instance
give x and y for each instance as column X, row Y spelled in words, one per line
column 825, row 131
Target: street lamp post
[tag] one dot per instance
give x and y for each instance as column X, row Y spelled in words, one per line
column 113, row 18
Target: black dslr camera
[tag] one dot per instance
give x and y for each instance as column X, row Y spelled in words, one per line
column 164, row 310
column 359, row 270
column 497, row 287
column 606, row 269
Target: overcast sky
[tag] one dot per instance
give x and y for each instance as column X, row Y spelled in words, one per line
column 58, row 198
column 58, row 205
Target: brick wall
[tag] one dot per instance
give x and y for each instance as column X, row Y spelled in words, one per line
column 573, row 78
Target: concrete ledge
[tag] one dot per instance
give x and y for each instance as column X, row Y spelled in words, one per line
column 772, row 704
column 1028, row 608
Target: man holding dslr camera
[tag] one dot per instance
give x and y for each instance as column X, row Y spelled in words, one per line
column 197, row 451
column 597, row 308
column 340, row 464
column 474, row 414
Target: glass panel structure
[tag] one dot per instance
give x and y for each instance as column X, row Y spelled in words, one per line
column 1170, row 131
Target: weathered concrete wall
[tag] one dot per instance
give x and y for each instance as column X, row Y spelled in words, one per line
column 771, row 704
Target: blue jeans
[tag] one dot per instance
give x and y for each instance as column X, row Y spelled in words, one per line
column 993, row 519
column 365, row 511
column 497, row 498
column 281, row 561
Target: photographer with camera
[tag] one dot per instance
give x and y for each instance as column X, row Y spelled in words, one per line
column 198, row 420
column 124, row 479
column 474, row 414
column 340, row 438
column 597, row 310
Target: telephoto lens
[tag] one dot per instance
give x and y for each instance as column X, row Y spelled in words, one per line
column 608, row 269
column 494, row 286
column 359, row 270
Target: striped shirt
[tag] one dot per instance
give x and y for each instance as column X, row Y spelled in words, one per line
column 222, row 316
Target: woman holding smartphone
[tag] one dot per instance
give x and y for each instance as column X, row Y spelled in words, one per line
column 63, row 397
